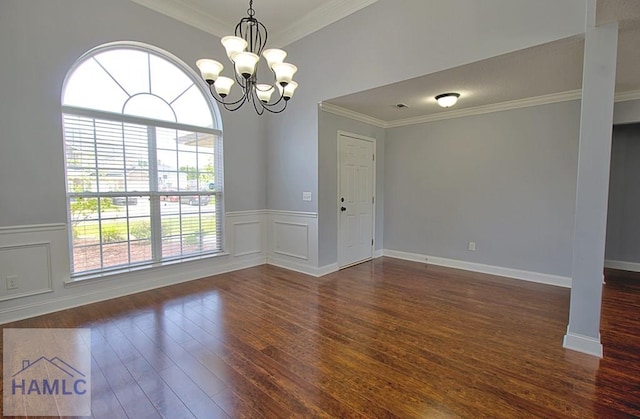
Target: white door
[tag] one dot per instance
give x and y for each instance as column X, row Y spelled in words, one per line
column 356, row 161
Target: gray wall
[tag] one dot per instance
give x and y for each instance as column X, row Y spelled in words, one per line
column 39, row 41
column 623, row 221
column 390, row 41
column 329, row 125
column 386, row 42
column 505, row 180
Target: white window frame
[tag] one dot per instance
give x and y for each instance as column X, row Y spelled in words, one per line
column 153, row 193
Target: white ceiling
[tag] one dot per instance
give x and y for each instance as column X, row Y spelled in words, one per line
column 286, row 20
column 542, row 70
column 550, row 72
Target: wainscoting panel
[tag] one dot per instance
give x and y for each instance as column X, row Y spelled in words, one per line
column 246, row 234
column 39, row 256
column 294, row 241
column 25, row 269
column 248, row 238
column 291, row 239
column 36, row 259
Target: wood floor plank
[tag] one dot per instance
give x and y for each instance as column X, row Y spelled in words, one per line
column 384, row 339
column 125, row 387
column 104, row 403
column 163, row 398
column 191, row 395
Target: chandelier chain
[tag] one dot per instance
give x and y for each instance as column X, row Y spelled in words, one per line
column 250, row 11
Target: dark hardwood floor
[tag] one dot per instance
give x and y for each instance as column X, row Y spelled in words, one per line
column 384, row 339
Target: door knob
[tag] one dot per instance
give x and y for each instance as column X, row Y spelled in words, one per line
column 343, row 209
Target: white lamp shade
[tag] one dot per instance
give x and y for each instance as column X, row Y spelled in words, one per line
column 246, row 64
column 289, row 89
column 447, row 100
column 223, row 85
column 264, row 92
column 284, row 72
column 234, row 45
column 210, row 69
column 274, row 56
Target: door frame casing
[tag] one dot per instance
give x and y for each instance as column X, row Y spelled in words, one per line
column 373, row 192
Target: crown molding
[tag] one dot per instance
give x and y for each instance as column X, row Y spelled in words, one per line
column 496, row 107
column 356, row 116
column 317, row 19
column 478, row 110
column 186, row 13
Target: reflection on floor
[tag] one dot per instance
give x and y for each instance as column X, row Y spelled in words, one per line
column 386, row 338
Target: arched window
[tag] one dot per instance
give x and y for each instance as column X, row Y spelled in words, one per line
column 143, row 148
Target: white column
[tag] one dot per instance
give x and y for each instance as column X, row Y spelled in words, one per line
column 596, row 124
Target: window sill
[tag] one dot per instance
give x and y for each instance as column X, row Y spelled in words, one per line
column 95, row 277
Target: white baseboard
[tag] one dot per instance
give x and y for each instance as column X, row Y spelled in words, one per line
column 302, row 268
column 622, row 265
column 378, row 254
column 327, row 269
column 580, row 343
column 560, row 281
column 413, row 257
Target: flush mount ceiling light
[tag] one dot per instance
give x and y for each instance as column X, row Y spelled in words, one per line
column 244, row 50
column 447, row 100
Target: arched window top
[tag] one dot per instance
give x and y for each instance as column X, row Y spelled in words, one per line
column 135, row 81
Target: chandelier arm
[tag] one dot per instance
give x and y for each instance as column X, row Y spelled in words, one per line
column 242, row 99
column 262, row 43
column 244, row 30
column 279, row 99
column 254, row 32
column 235, row 105
column 221, row 99
column 269, row 106
column 260, row 110
column 253, row 37
column 240, row 81
column 260, row 106
column 238, row 31
column 214, row 95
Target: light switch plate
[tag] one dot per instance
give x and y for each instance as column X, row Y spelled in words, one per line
column 306, row 196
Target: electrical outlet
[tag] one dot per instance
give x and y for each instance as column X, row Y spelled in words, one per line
column 12, row 282
column 306, row 196
column 472, row 246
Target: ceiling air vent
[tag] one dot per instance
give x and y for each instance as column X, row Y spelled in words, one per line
column 401, row 105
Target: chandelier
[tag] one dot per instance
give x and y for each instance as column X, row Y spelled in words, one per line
column 244, row 50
